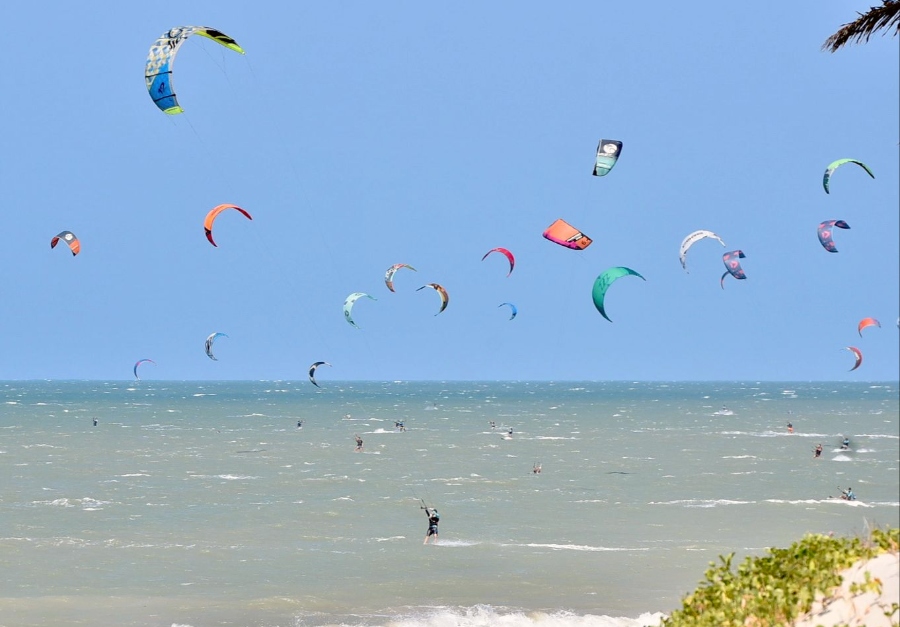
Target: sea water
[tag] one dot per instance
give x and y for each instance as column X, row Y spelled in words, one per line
column 203, row 503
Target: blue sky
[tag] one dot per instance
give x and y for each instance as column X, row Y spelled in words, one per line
column 359, row 135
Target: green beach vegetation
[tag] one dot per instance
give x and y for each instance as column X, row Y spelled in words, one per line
column 777, row 588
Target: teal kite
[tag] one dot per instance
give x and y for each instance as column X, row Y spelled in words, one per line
column 348, row 305
column 834, row 165
column 602, row 283
column 158, row 71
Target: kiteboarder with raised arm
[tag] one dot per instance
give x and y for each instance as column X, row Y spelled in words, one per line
column 359, row 443
column 433, row 519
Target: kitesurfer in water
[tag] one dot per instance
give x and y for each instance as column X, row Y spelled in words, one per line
column 845, row 444
column 299, row 424
column 359, row 443
column 848, row 495
column 790, row 428
column 433, row 518
column 818, row 450
column 537, row 468
column 95, row 422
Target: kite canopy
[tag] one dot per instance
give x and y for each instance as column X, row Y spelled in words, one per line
column 158, row 71
column 69, row 238
column 564, row 234
column 858, row 354
column 867, row 322
column 348, row 305
column 138, row 363
column 441, row 292
column 692, row 239
column 209, row 344
column 834, row 165
column 825, row 231
column 506, row 253
column 733, row 266
column 512, row 308
column 389, row 275
column 312, row 371
column 602, row 283
column 213, row 214
column 608, row 151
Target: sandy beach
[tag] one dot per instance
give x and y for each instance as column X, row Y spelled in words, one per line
column 854, row 609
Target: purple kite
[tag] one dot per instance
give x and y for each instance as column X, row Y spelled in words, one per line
column 826, row 230
column 733, row 266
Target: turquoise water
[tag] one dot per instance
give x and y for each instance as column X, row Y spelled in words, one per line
column 202, row 503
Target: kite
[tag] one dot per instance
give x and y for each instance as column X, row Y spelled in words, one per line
column 692, row 239
column 209, row 344
column 69, row 238
column 213, row 214
column 158, row 71
column 826, row 229
column 138, row 363
column 512, row 309
column 834, row 165
column 312, row 371
column 389, row 275
column 608, row 151
column 348, row 305
column 509, row 256
column 441, row 291
column 602, row 283
column 733, row 266
column 564, row 234
column 867, row 322
column 858, row 354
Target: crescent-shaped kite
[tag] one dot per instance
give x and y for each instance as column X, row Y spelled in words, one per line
column 158, row 71
column 312, row 371
column 602, row 283
column 389, row 275
column 858, row 354
column 506, row 253
column 213, row 214
column 564, row 234
column 867, row 322
column 512, row 308
column 692, row 239
column 69, row 238
column 834, row 165
column 138, row 363
column 348, row 305
column 826, row 230
column 608, row 152
column 209, row 344
column 441, row 292
column 733, row 266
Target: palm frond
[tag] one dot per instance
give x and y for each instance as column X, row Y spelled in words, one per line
column 875, row 19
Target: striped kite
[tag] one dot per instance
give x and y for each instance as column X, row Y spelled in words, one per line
column 389, row 275
column 158, row 71
column 209, row 344
column 312, row 371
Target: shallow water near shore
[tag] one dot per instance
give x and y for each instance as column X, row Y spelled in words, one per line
column 203, row 503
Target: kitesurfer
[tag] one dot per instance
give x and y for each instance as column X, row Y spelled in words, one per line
column 790, row 428
column 359, row 443
column 95, row 422
column 845, row 444
column 848, row 495
column 536, row 469
column 818, row 450
column 299, row 424
column 493, row 424
column 433, row 518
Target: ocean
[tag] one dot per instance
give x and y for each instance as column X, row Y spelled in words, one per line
column 198, row 503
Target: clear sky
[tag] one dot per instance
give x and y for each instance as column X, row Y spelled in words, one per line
column 359, row 135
